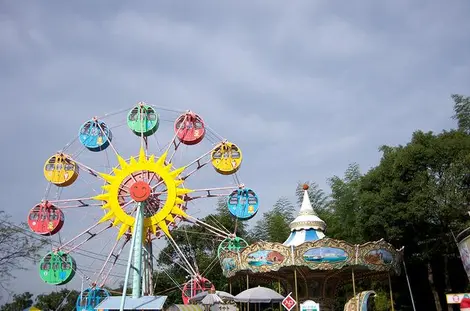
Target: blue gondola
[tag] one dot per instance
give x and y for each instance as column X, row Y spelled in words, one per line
column 243, row 203
column 95, row 135
column 90, row 298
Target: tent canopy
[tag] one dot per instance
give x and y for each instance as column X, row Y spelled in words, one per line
column 259, row 295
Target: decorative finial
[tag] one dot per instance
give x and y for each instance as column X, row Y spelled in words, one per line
column 305, row 187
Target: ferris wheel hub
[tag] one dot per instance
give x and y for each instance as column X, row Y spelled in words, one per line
column 140, row 191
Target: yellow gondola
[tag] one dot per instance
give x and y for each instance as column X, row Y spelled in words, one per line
column 226, row 158
column 60, row 170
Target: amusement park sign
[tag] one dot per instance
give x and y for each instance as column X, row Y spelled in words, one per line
column 289, row 302
column 309, row 305
column 456, row 298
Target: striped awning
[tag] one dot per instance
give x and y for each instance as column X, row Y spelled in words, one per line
column 298, row 237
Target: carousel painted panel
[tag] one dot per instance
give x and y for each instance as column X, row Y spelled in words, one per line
column 379, row 256
column 325, row 254
column 263, row 256
column 229, row 263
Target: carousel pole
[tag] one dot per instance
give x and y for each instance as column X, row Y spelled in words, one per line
column 391, row 292
column 353, row 281
column 296, row 291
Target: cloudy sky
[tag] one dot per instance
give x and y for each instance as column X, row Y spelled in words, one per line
column 303, row 87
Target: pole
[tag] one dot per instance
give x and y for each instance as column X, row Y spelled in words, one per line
column 150, row 266
column 353, row 281
column 129, row 261
column 137, row 275
column 409, row 285
column 296, row 292
column 391, row 292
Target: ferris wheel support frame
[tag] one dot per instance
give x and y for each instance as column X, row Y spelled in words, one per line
column 136, row 254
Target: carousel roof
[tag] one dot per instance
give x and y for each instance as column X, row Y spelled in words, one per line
column 307, row 226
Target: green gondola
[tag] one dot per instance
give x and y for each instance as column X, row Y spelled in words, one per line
column 235, row 244
column 57, row 268
column 143, row 120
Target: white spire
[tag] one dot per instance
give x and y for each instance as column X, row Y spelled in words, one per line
column 307, row 218
column 306, row 207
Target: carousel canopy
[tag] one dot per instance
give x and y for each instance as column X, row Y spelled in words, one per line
column 307, row 226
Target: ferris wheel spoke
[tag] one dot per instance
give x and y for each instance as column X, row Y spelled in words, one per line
column 200, row 165
column 113, row 263
column 171, row 258
column 88, row 169
column 178, row 250
column 221, row 233
column 106, row 136
column 175, row 138
column 68, row 245
column 74, row 203
column 210, row 193
column 199, row 160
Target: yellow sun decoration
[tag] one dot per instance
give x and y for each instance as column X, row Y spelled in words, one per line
column 165, row 215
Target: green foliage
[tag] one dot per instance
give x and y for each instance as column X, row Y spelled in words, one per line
column 15, row 248
column 381, row 301
column 462, row 112
column 418, row 194
column 20, row 302
column 65, row 299
column 274, row 224
column 317, row 196
column 342, row 220
column 199, row 247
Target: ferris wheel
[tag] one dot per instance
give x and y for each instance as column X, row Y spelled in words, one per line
column 142, row 198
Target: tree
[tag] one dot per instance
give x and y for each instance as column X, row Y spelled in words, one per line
column 343, row 220
column 64, row 300
column 317, row 196
column 274, row 224
column 416, row 197
column 20, row 302
column 462, row 112
column 15, row 248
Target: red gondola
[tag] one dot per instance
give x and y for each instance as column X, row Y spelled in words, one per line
column 195, row 286
column 189, row 128
column 45, row 219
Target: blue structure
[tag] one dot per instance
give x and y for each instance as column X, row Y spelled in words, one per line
column 95, row 135
column 90, row 298
column 141, row 303
column 243, row 203
column 307, row 226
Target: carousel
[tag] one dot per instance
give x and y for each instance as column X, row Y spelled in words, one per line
column 310, row 265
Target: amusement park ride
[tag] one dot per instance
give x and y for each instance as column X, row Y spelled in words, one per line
column 143, row 198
